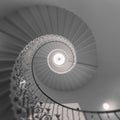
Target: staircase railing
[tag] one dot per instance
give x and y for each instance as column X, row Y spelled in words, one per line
column 30, row 102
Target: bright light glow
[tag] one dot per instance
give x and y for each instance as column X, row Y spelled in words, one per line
column 106, row 106
column 59, row 59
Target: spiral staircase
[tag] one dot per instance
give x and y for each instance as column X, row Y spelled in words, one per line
column 29, row 40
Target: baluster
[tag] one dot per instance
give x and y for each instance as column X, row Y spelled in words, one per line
column 67, row 114
column 62, row 113
column 53, row 110
column 85, row 114
column 73, row 115
column 57, row 108
column 108, row 116
column 99, row 116
column 32, row 110
column 117, row 115
column 92, row 117
column 79, row 113
column 48, row 108
column 57, row 115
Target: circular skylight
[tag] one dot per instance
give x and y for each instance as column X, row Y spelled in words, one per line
column 59, row 59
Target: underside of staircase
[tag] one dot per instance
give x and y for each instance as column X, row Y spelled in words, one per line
column 27, row 36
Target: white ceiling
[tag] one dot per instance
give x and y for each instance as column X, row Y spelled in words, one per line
column 103, row 17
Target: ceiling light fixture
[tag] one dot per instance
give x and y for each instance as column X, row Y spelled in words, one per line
column 106, row 106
